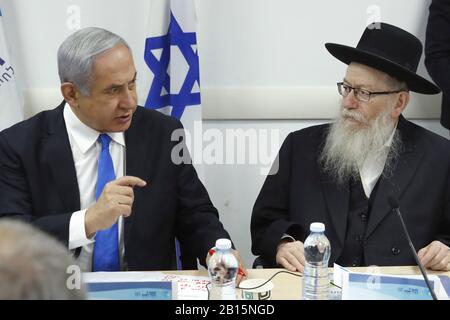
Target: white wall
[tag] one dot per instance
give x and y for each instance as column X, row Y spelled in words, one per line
column 266, row 58
column 260, row 59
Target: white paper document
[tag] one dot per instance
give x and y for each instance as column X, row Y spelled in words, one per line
column 187, row 287
column 378, row 286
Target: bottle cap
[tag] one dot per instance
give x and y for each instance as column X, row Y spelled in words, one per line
column 223, row 244
column 317, row 227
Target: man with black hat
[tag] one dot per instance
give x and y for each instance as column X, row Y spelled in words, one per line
column 342, row 174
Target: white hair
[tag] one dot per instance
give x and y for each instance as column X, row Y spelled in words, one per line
column 77, row 53
column 347, row 147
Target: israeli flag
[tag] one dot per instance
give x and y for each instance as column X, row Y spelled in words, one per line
column 10, row 101
column 173, row 72
column 172, row 58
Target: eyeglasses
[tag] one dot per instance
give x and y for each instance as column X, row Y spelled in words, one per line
column 360, row 94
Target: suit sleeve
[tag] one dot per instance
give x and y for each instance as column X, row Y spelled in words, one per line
column 443, row 234
column 437, row 52
column 198, row 225
column 270, row 217
column 15, row 196
column 437, row 43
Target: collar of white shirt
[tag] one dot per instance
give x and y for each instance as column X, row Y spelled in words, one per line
column 83, row 135
column 388, row 143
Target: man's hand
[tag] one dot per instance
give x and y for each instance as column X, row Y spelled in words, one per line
column 116, row 199
column 291, row 255
column 435, row 256
column 242, row 271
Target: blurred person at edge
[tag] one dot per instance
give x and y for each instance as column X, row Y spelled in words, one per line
column 33, row 265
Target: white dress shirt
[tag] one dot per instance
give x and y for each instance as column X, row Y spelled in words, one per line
column 373, row 166
column 86, row 151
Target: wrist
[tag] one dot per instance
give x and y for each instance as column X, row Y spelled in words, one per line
column 283, row 242
column 89, row 225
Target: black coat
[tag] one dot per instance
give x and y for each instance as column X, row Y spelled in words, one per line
column 437, row 52
column 300, row 193
column 38, row 183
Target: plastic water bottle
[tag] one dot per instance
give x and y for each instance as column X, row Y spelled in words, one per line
column 222, row 270
column 316, row 283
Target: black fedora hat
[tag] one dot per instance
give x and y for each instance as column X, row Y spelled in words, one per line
column 389, row 49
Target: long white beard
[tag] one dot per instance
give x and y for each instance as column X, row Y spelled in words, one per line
column 348, row 144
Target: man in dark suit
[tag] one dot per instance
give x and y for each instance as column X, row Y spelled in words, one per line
column 437, row 52
column 342, row 174
column 51, row 166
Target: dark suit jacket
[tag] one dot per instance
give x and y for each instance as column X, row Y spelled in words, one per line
column 437, row 52
column 38, row 183
column 300, row 193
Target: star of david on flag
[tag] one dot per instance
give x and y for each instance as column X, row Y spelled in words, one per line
column 173, row 60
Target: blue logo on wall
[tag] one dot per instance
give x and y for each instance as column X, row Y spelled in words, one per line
column 6, row 73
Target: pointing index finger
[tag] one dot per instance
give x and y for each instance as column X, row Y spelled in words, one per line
column 131, row 181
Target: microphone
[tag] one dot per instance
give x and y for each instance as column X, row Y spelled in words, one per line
column 396, row 207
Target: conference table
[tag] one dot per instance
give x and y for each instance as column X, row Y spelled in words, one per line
column 288, row 286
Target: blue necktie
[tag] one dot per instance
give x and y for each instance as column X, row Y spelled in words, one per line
column 106, row 246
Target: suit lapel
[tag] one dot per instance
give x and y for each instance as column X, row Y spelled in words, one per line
column 337, row 200
column 405, row 168
column 135, row 153
column 58, row 157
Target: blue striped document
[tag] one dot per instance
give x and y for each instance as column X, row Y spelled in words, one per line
column 138, row 290
column 384, row 287
column 374, row 285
